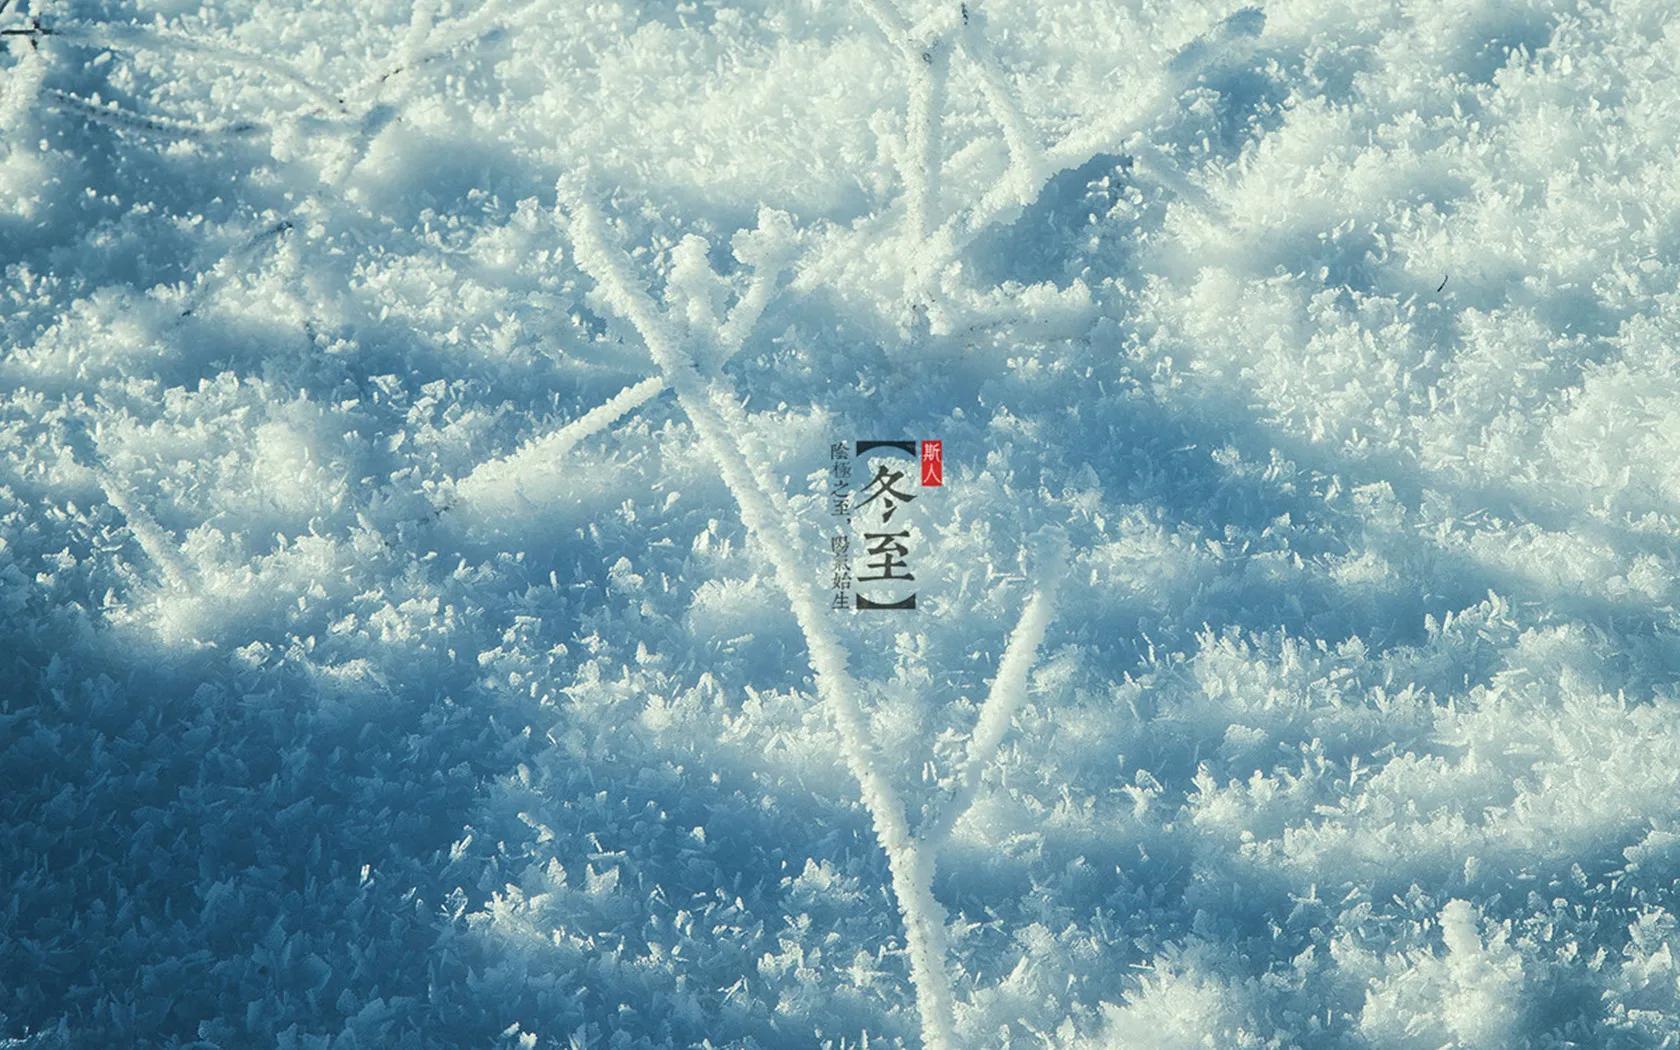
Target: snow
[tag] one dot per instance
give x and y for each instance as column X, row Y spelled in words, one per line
column 415, row 429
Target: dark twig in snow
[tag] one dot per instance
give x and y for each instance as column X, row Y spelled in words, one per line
column 380, row 104
column 132, row 38
column 240, row 256
column 425, row 43
column 114, row 116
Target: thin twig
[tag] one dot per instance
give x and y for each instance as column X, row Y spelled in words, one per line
column 130, row 38
column 128, row 120
column 435, row 43
column 243, row 253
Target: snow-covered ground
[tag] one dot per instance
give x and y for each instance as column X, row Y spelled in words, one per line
column 415, row 436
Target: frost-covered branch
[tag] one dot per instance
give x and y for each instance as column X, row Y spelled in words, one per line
column 910, row 866
column 930, row 65
column 147, row 532
column 1008, row 693
column 767, row 250
column 558, row 444
column 1026, row 158
column 933, row 241
column 1004, row 201
column 926, row 52
column 378, row 105
column 21, row 86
